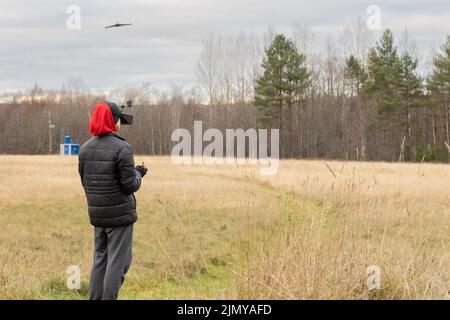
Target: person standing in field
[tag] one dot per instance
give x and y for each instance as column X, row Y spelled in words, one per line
column 109, row 179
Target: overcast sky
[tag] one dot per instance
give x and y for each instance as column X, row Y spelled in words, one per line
column 164, row 42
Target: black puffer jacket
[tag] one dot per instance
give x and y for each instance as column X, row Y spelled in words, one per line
column 109, row 179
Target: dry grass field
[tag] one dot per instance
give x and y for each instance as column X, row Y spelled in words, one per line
column 309, row 232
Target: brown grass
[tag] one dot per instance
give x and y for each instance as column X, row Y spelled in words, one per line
column 226, row 232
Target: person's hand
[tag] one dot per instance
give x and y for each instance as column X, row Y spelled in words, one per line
column 141, row 169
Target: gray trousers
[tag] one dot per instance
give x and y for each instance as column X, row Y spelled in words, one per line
column 112, row 259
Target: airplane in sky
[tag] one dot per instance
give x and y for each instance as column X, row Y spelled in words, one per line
column 118, row 25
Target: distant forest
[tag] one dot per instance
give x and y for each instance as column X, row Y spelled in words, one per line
column 354, row 99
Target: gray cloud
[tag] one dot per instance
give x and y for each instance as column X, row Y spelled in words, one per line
column 164, row 42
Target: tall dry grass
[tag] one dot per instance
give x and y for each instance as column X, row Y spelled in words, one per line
column 310, row 231
column 187, row 235
column 395, row 216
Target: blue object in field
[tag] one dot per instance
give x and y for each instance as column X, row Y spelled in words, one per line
column 75, row 149
column 68, row 147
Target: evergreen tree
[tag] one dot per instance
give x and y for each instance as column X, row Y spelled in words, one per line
column 381, row 77
column 409, row 90
column 439, row 82
column 282, row 84
column 440, row 79
column 355, row 73
column 297, row 76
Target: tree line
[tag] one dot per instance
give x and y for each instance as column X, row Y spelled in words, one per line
column 358, row 100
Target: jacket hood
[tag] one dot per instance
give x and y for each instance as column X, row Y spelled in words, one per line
column 102, row 121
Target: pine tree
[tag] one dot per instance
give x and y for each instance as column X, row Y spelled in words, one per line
column 440, row 79
column 409, row 90
column 282, row 84
column 297, row 76
column 381, row 78
column 355, row 73
column 284, row 80
column 439, row 82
